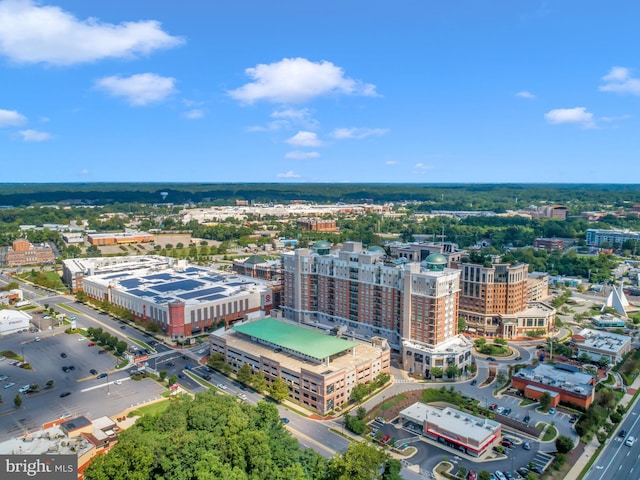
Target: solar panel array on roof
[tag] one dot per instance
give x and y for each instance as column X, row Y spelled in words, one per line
column 142, row 293
column 200, row 293
column 160, row 276
column 130, row 283
column 213, row 297
column 179, row 285
column 236, row 284
column 214, row 279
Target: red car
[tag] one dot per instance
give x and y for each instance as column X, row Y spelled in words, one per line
column 91, row 344
column 493, row 406
column 472, row 475
column 385, row 439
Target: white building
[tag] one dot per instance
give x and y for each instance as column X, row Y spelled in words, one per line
column 597, row 344
column 12, row 321
column 470, row 434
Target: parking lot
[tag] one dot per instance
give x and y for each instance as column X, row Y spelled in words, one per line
column 75, row 392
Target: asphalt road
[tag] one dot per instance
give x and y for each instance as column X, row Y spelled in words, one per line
column 618, row 460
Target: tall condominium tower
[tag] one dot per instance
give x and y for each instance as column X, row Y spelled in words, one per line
column 362, row 293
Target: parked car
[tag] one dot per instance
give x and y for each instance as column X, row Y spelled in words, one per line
column 472, row 475
column 499, row 410
column 552, row 411
column 170, row 364
column 122, row 327
column 385, row 439
column 102, row 375
column 473, row 382
column 65, row 394
column 493, row 406
column 509, row 475
column 37, row 339
column 506, row 443
column 500, row 476
column 71, row 367
column 102, row 351
column 491, row 359
column 523, row 472
column 63, row 355
column 65, row 369
column 507, row 411
column 25, row 389
column 9, row 384
column 93, row 371
column 181, row 375
column 285, row 420
column 91, row 344
column 526, row 419
column 526, row 445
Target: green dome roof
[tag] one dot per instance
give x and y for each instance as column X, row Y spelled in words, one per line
column 322, row 244
column 436, row 258
column 255, row 260
column 376, row 248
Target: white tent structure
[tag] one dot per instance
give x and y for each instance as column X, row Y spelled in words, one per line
column 618, row 301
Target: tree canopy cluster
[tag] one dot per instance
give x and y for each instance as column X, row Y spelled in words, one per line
column 215, row 436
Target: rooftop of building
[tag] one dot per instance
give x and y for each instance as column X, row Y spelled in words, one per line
column 565, row 377
column 181, row 282
column 8, row 315
column 600, row 340
column 453, row 421
column 118, row 234
column 52, row 440
column 295, row 338
column 454, row 346
column 364, row 353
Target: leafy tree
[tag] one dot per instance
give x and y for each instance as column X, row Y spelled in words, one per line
column 49, row 384
column 437, row 372
column 564, row 444
column 392, row 468
column 452, row 371
column 359, row 392
column 34, row 387
column 245, row 373
column 259, row 381
column 17, row 401
column 545, row 401
column 500, row 341
column 172, row 380
column 354, row 424
column 163, row 375
column 484, row 475
column 359, row 462
column 462, row 324
column 279, row 390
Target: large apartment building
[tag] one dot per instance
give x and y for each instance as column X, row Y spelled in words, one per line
column 360, row 293
column 503, row 300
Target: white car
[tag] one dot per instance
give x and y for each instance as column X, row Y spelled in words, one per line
column 630, row 441
column 3, row 377
column 499, row 410
column 25, row 389
column 37, row 339
column 9, row 385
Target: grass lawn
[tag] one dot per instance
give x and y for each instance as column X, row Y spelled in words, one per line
column 393, row 401
column 550, row 433
column 152, row 409
column 526, row 401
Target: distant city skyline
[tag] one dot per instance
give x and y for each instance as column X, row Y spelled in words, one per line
column 426, row 92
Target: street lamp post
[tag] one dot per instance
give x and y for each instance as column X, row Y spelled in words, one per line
column 108, row 393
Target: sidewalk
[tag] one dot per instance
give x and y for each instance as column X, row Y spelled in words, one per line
column 593, row 445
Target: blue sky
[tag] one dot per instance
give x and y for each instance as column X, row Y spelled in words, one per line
column 319, row 91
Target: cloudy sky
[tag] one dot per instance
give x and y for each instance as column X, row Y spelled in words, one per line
column 319, row 91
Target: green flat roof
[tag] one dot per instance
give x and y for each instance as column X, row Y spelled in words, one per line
column 303, row 340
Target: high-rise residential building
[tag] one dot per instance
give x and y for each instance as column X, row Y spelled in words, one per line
column 495, row 300
column 362, row 293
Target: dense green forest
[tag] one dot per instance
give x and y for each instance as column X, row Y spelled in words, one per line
column 498, row 197
column 215, row 436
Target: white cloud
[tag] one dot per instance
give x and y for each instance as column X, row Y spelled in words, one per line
column 357, row 133
column 615, row 118
column 194, row 114
column 286, row 119
column 620, row 80
column 391, row 162
column 139, row 89
column 11, row 118
column 299, row 155
column 577, row 115
column 305, row 139
column 525, row 94
column 34, row 135
column 289, row 174
column 296, row 80
column 33, row 33
column 84, row 171
column 420, row 168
